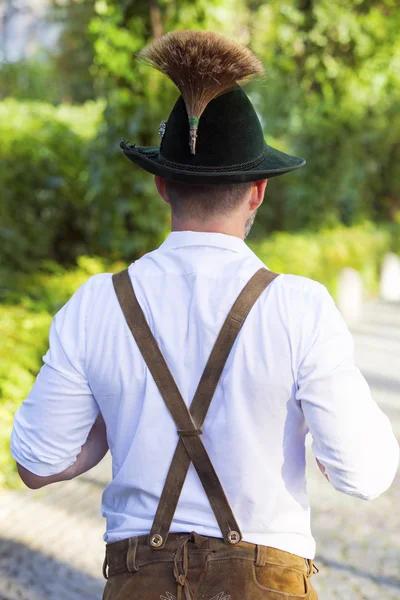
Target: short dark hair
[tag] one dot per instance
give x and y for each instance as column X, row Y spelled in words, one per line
column 202, row 201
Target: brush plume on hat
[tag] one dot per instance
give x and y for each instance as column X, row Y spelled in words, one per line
column 203, row 65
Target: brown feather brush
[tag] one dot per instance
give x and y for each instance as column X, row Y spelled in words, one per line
column 203, row 65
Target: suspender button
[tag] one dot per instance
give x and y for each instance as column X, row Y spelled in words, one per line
column 156, row 540
column 233, row 537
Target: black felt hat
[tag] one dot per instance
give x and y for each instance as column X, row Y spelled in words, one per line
column 225, row 145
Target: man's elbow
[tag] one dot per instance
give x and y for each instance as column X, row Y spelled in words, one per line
column 367, row 474
column 375, row 488
column 365, row 485
column 372, row 491
column 35, row 482
column 32, row 481
column 384, row 471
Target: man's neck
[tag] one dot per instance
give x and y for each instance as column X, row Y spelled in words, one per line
column 232, row 228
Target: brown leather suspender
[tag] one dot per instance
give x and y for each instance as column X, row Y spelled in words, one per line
column 190, row 447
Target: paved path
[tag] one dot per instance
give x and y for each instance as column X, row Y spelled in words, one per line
column 51, row 540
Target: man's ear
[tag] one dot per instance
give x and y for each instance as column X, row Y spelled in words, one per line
column 160, row 185
column 257, row 193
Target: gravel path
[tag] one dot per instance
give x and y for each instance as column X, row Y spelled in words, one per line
column 51, row 544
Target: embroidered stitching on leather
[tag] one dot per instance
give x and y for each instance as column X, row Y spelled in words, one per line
column 220, row 596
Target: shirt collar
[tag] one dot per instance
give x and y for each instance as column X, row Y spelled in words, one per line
column 179, row 239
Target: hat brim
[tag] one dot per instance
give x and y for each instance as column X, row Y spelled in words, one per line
column 272, row 163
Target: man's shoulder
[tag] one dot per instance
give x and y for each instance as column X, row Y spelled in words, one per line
column 302, row 296
column 300, row 286
column 95, row 284
column 88, row 292
column 100, row 280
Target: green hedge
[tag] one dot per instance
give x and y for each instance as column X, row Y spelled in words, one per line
column 44, row 182
column 322, row 255
column 66, row 189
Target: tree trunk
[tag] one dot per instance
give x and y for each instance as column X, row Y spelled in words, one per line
column 155, row 19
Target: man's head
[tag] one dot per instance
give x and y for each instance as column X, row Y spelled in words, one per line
column 227, row 208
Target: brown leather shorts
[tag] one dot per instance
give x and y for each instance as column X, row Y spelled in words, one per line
column 195, row 567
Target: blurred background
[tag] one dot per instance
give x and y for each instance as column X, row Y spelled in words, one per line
column 72, row 206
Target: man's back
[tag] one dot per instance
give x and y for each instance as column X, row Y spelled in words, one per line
column 290, row 369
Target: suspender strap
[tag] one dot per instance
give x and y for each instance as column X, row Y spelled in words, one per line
column 190, row 447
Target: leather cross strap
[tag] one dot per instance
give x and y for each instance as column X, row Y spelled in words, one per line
column 190, row 447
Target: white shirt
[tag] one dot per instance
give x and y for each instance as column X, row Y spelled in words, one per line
column 290, row 371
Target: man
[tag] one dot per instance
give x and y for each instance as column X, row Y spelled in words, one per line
column 208, row 497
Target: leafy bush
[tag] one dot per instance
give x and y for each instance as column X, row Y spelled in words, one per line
column 23, row 345
column 29, row 80
column 64, row 193
column 322, row 255
column 393, row 230
column 44, row 181
column 331, row 96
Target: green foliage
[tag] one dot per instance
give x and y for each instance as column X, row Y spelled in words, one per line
column 393, row 230
column 331, row 95
column 28, row 80
column 322, row 255
column 24, row 334
column 65, row 192
column 73, row 59
column 44, row 181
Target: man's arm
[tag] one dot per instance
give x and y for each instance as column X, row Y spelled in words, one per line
column 92, row 452
column 57, row 432
column 353, row 440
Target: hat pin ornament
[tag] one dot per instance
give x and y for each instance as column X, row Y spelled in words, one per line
column 162, row 128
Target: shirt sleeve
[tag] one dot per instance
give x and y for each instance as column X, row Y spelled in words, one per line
column 54, row 421
column 352, row 437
